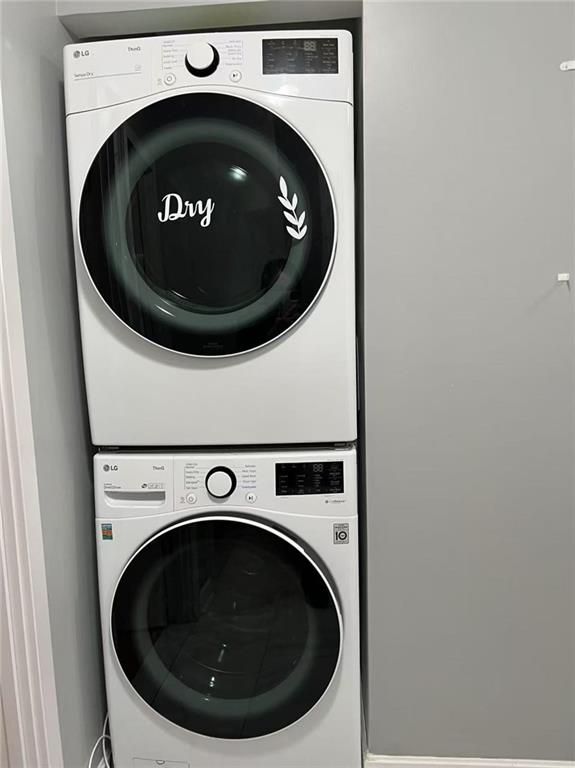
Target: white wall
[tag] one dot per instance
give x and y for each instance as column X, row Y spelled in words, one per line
column 109, row 18
column 3, row 740
column 469, row 216
column 32, row 41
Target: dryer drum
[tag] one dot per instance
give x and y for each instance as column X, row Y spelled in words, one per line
column 226, row 628
column 207, row 224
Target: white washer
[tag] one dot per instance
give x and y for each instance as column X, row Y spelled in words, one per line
column 212, row 191
column 230, row 608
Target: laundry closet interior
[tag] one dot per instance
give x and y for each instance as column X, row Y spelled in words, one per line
column 306, row 500
column 212, row 196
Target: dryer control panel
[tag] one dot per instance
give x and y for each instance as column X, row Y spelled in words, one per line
column 315, row 64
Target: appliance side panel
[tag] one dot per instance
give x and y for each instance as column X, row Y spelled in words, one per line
column 32, row 42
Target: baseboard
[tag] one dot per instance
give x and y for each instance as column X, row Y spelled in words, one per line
column 392, row 761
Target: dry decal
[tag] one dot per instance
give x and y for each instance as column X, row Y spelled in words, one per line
column 107, row 531
column 177, row 208
column 298, row 228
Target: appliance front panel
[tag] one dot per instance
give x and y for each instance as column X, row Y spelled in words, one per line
column 225, row 627
column 328, row 736
column 300, row 388
column 238, row 574
column 207, row 224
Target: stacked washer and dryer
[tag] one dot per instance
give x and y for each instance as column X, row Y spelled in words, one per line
column 212, row 188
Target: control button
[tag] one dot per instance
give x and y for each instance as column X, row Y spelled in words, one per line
column 235, row 76
column 202, row 59
column 220, row 482
column 169, row 79
column 250, row 498
column 191, row 498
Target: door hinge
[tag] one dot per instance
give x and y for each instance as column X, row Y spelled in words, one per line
column 566, row 66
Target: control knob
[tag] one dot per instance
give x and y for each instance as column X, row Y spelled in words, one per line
column 202, row 59
column 221, row 482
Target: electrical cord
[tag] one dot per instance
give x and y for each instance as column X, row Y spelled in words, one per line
column 104, row 740
column 107, row 741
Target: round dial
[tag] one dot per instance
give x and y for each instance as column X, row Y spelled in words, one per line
column 220, row 482
column 202, row 59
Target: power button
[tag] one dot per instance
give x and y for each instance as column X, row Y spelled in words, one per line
column 169, row 79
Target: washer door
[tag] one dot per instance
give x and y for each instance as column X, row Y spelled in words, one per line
column 226, row 627
column 207, row 224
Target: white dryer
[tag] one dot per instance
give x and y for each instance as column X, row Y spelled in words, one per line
column 230, row 608
column 212, row 192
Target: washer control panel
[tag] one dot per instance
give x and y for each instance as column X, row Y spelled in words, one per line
column 320, row 482
column 205, row 481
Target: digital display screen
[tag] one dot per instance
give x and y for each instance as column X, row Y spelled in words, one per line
column 303, row 478
column 300, row 56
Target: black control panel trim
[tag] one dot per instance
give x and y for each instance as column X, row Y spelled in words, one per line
column 206, row 71
column 230, row 474
column 300, row 56
column 303, row 478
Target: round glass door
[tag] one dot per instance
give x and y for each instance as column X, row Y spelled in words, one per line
column 207, row 224
column 226, row 627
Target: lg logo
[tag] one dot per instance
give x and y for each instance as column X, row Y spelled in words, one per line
column 78, row 54
column 110, row 467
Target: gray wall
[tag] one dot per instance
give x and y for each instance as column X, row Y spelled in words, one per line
column 469, row 211
column 32, row 40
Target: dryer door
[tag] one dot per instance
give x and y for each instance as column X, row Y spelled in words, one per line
column 207, row 224
column 226, row 627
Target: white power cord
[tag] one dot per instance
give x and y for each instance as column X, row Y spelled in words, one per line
column 106, row 744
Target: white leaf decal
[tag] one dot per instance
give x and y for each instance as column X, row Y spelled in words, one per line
column 294, row 233
column 292, row 219
column 299, row 229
